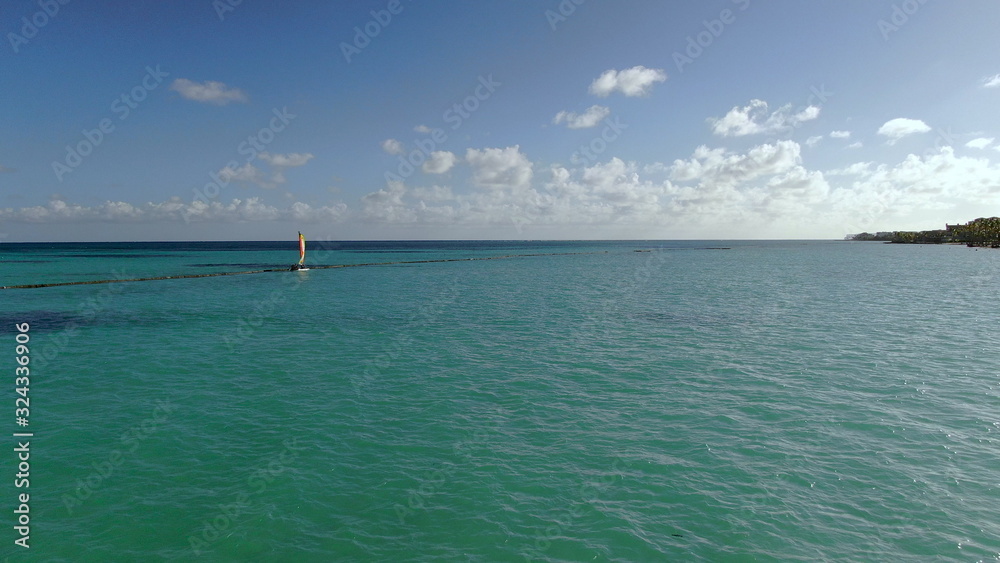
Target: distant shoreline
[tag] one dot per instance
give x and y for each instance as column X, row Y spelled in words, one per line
column 983, row 232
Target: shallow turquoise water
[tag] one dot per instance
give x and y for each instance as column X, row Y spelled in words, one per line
column 776, row 401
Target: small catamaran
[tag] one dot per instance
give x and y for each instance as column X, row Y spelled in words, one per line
column 302, row 255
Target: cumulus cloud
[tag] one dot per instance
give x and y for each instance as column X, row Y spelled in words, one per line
column 714, row 188
column 840, row 134
column 387, row 205
column 433, row 193
column 589, row 118
column 610, row 193
column 496, row 168
column 173, row 210
column 210, row 92
column 439, row 162
column 714, row 169
column 763, row 191
column 279, row 162
column 392, row 146
column 992, row 81
column 900, row 127
column 811, row 141
column 285, row 160
column 635, row 81
column 803, row 184
column 938, row 180
column 980, row 143
column 248, row 173
column 856, row 169
column 754, row 119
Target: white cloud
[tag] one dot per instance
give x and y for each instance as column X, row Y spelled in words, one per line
column 811, row 141
column 392, row 146
column 285, row 160
column 279, row 162
column 992, row 81
column 439, row 162
column 387, row 205
column 173, row 210
column 250, row 174
column 714, row 168
column 855, row 145
column 247, row 173
column 495, row 168
column 856, row 169
column 635, row 81
column 840, row 134
column 607, row 193
column 918, row 184
column 764, row 191
column 801, row 183
column 754, row 119
column 980, row 143
column 900, row 127
column 210, row 92
column 808, row 114
column 422, row 129
column 589, row 118
column 433, row 193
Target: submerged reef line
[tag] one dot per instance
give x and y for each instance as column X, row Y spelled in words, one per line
column 216, row 274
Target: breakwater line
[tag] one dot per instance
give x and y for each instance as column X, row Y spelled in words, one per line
column 270, row 270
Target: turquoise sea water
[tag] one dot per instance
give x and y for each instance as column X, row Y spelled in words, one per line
column 773, row 401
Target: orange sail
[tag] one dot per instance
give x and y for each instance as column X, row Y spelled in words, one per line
column 302, row 248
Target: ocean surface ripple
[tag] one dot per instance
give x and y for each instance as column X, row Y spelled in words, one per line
column 776, row 401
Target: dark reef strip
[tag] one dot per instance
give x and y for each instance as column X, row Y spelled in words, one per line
column 187, row 276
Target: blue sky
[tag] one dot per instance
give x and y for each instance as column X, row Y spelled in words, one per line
column 528, row 120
